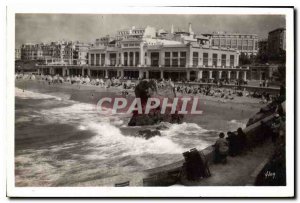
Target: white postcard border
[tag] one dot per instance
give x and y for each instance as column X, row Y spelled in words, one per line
column 244, row 191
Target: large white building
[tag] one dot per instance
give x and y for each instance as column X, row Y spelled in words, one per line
column 150, row 58
column 145, row 53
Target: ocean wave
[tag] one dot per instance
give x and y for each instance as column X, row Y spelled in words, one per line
column 183, row 128
column 234, row 124
column 25, row 94
column 111, row 138
column 110, row 148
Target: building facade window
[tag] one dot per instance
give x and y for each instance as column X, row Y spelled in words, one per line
column 239, row 43
column 130, row 58
column 222, row 42
column 125, row 59
column 255, row 45
column 205, row 59
column 223, row 60
column 92, row 59
column 167, row 59
column 245, row 45
column 195, row 58
column 182, row 61
column 231, row 60
column 215, row 60
column 228, row 42
column 216, row 42
column 113, row 59
column 250, row 44
column 233, row 43
column 97, row 59
column 175, row 59
column 154, row 58
column 137, row 58
column 102, row 59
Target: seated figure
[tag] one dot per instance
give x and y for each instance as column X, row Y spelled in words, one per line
column 221, row 149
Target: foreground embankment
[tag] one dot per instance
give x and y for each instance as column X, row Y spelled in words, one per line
column 239, row 171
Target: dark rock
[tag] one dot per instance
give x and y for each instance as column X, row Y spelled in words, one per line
column 144, row 90
column 163, row 126
column 147, row 134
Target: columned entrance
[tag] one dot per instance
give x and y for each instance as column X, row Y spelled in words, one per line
column 233, row 75
column 175, row 76
column 224, row 75
column 97, row 73
column 154, row 75
column 215, row 74
column 193, row 76
column 131, row 74
column 75, row 71
column 58, row 71
column 205, row 74
column 85, row 72
column 112, row 73
column 45, row 71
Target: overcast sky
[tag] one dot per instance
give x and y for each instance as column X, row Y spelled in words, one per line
column 37, row 28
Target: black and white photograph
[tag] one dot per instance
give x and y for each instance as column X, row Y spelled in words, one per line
column 130, row 102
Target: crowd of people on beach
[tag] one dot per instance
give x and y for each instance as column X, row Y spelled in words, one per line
column 223, row 93
column 218, row 91
column 79, row 80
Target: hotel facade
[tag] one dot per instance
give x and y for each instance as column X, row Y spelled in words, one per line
column 244, row 43
column 276, row 41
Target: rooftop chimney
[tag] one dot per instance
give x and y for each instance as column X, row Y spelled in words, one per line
column 190, row 29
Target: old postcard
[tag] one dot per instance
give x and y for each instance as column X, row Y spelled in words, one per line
column 155, row 102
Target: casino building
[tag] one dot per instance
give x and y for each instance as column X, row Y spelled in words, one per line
column 144, row 53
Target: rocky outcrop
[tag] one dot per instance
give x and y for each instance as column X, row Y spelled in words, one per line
column 147, row 133
column 146, row 89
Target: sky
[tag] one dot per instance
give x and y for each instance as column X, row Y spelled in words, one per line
column 36, row 28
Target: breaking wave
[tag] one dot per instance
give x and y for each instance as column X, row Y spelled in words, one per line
column 110, row 151
column 25, row 94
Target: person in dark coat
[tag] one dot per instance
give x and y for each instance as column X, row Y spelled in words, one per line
column 221, row 149
column 232, row 143
column 242, row 141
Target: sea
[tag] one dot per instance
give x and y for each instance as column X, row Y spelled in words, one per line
column 61, row 140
